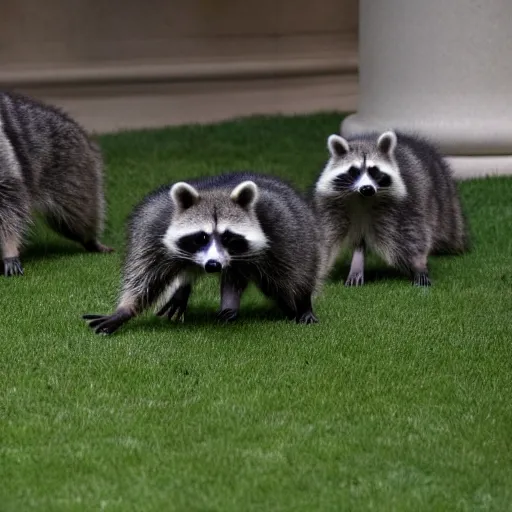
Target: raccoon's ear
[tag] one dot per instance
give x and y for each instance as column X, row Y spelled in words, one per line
column 245, row 195
column 387, row 143
column 338, row 146
column 184, row 195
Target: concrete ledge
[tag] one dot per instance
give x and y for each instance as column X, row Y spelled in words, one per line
column 113, row 98
column 114, row 107
column 154, row 73
column 452, row 143
column 469, row 167
column 455, row 135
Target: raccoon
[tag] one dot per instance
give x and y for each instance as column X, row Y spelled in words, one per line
column 392, row 193
column 47, row 164
column 246, row 226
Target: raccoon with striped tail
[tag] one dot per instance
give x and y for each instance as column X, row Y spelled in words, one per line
column 47, row 164
column 246, row 226
column 392, row 193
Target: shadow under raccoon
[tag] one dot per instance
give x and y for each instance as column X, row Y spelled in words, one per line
column 50, row 251
column 373, row 274
column 198, row 317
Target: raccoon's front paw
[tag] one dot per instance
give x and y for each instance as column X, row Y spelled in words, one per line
column 227, row 315
column 307, row 318
column 107, row 324
column 173, row 308
column 355, row 279
column 421, row 279
column 176, row 305
column 12, row 267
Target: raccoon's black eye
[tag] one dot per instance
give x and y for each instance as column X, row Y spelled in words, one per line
column 192, row 243
column 381, row 178
column 234, row 243
column 374, row 172
column 384, row 181
column 346, row 180
column 354, row 172
column 201, row 239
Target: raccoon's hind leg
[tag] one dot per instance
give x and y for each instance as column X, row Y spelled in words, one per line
column 419, row 270
column 14, row 217
column 294, row 306
column 407, row 249
column 417, row 267
column 304, row 310
column 356, row 273
column 232, row 286
column 71, row 197
column 11, row 242
column 78, row 226
column 74, row 228
column 96, row 246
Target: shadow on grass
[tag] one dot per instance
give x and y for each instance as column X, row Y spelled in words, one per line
column 51, row 250
column 201, row 316
column 372, row 274
column 46, row 251
column 56, row 250
column 378, row 271
column 198, row 317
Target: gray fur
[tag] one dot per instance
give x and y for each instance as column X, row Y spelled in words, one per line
column 415, row 213
column 47, row 164
column 287, row 267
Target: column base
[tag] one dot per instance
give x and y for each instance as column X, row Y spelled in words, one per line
column 469, row 167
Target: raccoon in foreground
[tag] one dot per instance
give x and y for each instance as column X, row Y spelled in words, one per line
column 394, row 194
column 49, row 165
column 247, row 226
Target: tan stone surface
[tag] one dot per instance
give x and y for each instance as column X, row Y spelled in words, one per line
column 122, row 64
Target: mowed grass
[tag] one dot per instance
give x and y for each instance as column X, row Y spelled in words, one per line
column 399, row 399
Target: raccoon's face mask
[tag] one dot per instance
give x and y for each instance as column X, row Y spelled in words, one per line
column 215, row 229
column 364, row 180
column 366, row 171
column 371, row 180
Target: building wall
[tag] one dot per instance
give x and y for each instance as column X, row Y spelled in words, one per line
column 129, row 63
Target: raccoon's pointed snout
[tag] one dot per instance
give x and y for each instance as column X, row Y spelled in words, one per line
column 213, row 258
column 367, row 190
column 212, row 266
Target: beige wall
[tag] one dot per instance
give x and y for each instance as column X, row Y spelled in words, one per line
column 89, row 54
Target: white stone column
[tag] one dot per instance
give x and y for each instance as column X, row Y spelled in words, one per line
column 442, row 68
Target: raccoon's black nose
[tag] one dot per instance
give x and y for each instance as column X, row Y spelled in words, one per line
column 212, row 266
column 367, row 190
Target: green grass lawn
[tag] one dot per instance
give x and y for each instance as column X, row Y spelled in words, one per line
column 399, row 399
